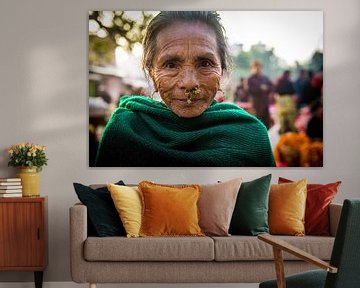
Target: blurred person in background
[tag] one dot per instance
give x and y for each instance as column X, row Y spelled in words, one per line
column 260, row 88
column 285, row 100
column 299, row 85
column 313, row 88
column 241, row 92
column 314, row 127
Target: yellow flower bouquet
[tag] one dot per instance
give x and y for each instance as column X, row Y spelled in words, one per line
column 27, row 155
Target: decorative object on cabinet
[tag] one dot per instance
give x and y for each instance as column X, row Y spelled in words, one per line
column 30, row 158
column 10, row 187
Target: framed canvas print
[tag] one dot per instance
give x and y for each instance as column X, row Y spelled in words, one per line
column 205, row 88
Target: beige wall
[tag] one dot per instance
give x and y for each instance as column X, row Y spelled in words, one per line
column 43, row 90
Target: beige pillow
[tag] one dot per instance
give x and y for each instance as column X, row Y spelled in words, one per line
column 216, row 206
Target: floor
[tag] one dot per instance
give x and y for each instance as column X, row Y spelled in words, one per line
column 74, row 285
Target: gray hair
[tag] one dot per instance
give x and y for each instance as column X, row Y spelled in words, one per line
column 165, row 18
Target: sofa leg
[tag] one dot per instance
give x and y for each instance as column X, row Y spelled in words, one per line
column 92, row 285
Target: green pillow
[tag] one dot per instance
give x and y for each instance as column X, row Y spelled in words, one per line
column 250, row 216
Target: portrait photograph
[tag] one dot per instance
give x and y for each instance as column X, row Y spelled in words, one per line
column 205, row 88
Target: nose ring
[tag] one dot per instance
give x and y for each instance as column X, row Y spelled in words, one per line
column 192, row 92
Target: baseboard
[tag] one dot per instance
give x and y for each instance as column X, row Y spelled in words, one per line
column 74, row 285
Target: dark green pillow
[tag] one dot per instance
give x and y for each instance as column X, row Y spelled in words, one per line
column 103, row 218
column 250, row 216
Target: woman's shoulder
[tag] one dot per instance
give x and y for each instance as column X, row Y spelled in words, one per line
column 232, row 110
column 139, row 103
column 131, row 101
column 224, row 106
column 234, row 117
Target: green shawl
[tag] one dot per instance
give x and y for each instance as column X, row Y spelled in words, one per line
column 146, row 133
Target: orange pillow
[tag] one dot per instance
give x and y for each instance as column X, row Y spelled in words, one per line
column 318, row 199
column 169, row 210
column 287, row 204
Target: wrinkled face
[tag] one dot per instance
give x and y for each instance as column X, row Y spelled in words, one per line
column 186, row 59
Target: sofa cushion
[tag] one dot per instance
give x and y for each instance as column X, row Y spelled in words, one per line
column 149, row 249
column 127, row 201
column 169, row 210
column 216, row 205
column 287, row 204
column 249, row 248
column 102, row 216
column 318, row 199
column 250, row 215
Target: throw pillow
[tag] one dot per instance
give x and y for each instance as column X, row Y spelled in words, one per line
column 169, row 210
column 216, row 206
column 319, row 197
column 127, row 201
column 250, row 215
column 287, row 204
column 102, row 215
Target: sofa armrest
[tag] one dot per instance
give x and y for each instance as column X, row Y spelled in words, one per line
column 334, row 217
column 78, row 235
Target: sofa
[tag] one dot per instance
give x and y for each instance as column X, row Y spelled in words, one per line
column 233, row 259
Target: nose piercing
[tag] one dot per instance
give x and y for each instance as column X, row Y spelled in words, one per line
column 196, row 90
column 189, row 93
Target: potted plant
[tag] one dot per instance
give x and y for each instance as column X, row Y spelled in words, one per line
column 30, row 158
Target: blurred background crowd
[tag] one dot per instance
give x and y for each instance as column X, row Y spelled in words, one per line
column 282, row 90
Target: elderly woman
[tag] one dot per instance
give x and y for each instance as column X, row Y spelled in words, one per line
column 185, row 55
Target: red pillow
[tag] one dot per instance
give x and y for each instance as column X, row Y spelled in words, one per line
column 319, row 197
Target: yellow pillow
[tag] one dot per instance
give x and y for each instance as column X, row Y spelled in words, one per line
column 127, row 201
column 169, row 210
column 287, row 204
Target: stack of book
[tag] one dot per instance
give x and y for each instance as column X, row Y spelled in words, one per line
column 10, row 187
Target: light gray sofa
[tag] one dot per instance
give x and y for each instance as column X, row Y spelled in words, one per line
column 234, row 259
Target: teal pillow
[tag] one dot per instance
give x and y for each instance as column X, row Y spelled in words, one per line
column 250, row 216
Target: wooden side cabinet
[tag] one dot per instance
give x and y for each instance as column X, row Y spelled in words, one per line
column 23, row 235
